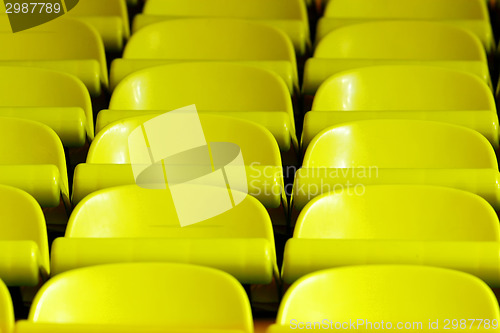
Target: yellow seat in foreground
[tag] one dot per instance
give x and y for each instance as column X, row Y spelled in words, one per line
column 23, row 239
column 108, row 17
column 290, row 16
column 403, row 92
column 394, row 43
column 146, row 297
column 223, row 40
column 65, row 45
column 32, row 159
column 222, row 88
column 6, row 310
column 56, row 99
column 450, row 228
column 130, row 223
column 471, row 15
column 373, row 152
column 372, row 298
column 108, row 162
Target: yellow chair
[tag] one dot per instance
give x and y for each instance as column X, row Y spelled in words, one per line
column 290, row 16
column 471, row 15
column 403, row 92
column 451, row 229
column 32, row 159
column 149, row 297
column 372, row 298
column 55, row 99
column 108, row 160
column 220, row 88
column 65, row 45
column 23, row 244
column 373, row 152
column 108, row 17
column 223, row 40
column 394, row 43
column 130, row 223
column 6, row 310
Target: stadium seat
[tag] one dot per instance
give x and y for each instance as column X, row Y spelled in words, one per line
column 451, row 228
column 290, row 16
column 55, row 99
column 6, row 310
column 108, row 162
column 471, row 15
column 394, row 43
column 65, row 45
column 32, row 159
column 221, row 88
column 373, row 152
column 23, row 244
column 130, row 223
column 108, row 17
column 211, row 40
column 370, row 297
column 403, row 92
column 149, row 297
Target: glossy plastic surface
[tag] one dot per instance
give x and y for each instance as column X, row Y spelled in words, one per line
column 208, row 40
column 6, row 310
column 400, row 144
column 66, row 45
column 165, row 297
column 451, row 228
column 210, row 86
column 23, row 243
column 389, row 293
column 405, row 91
column 56, row 96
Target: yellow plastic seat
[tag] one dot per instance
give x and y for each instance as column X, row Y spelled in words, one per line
column 451, row 228
column 223, row 40
column 23, row 243
column 108, row 162
column 32, row 159
column 55, row 99
column 109, row 227
column 394, row 43
column 146, row 297
column 6, row 310
column 471, row 15
column 374, row 296
column 220, row 88
column 403, row 92
column 374, row 152
column 108, row 17
column 290, row 16
column 65, row 45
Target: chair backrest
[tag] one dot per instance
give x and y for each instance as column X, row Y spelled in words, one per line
column 23, row 220
column 257, row 144
column 404, row 88
column 245, row 9
column 6, row 310
column 400, row 212
column 400, row 144
column 162, row 295
column 402, row 40
column 211, row 86
column 61, row 39
column 132, row 211
column 28, row 142
column 407, row 294
column 210, row 39
column 420, row 9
